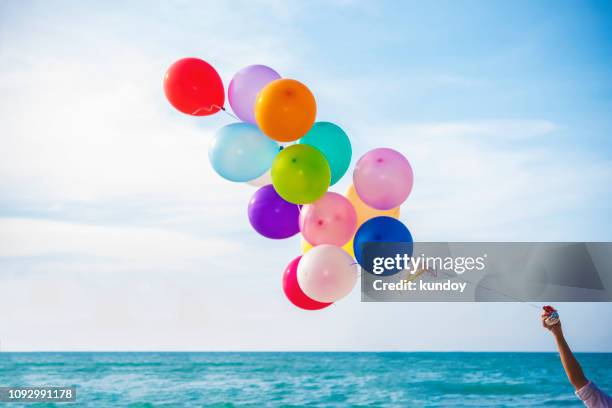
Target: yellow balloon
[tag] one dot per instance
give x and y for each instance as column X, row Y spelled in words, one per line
column 364, row 211
column 305, row 245
column 348, row 247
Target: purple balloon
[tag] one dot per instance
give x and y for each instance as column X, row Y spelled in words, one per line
column 245, row 86
column 272, row 216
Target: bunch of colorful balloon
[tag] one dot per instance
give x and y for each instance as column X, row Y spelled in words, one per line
column 279, row 148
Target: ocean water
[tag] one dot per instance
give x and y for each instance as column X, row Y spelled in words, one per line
column 304, row 379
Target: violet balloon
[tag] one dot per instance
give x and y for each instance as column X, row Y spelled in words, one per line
column 383, row 178
column 329, row 220
column 272, row 216
column 244, row 88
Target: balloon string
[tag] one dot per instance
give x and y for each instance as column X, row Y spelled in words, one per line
column 228, row 113
column 515, row 298
column 209, row 109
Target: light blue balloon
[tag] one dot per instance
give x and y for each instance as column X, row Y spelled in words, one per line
column 240, row 152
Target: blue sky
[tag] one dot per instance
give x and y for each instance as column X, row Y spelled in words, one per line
column 117, row 235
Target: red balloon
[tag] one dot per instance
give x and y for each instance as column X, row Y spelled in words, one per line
column 294, row 293
column 194, row 87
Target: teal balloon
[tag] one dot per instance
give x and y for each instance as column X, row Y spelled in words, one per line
column 335, row 145
column 241, row 152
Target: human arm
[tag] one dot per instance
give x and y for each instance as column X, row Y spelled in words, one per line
column 572, row 368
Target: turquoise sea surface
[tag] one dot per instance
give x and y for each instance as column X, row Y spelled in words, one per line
column 304, row 379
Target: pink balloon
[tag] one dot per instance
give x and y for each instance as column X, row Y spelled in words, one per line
column 326, row 273
column 294, row 293
column 329, row 220
column 243, row 90
column 383, row 178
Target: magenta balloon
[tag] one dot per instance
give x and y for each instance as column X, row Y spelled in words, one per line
column 383, row 178
column 272, row 216
column 294, row 293
column 329, row 220
column 245, row 86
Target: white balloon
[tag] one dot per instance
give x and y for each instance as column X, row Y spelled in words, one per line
column 262, row 180
column 327, row 273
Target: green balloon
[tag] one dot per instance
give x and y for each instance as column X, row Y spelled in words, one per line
column 300, row 174
column 331, row 140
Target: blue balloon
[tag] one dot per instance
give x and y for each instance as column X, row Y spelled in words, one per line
column 380, row 229
column 241, row 152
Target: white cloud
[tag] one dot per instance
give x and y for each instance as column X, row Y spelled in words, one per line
column 492, row 179
column 77, row 132
column 90, row 121
column 131, row 247
column 496, row 130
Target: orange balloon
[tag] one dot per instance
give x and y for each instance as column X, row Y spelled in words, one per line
column 348, row 247
column 285, row 110
column 364, row 211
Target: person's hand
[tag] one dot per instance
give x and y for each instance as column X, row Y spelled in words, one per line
column 554, row 328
